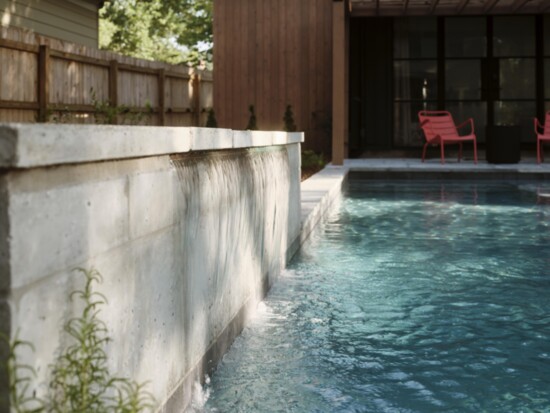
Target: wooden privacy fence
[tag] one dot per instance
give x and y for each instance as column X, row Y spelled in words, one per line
column 47, row 80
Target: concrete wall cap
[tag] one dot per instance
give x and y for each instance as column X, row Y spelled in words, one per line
column 28, row 145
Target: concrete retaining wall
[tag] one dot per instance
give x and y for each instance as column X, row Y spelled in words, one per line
column 188, row 227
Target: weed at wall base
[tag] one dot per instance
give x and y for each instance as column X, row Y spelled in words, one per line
column 80, row 379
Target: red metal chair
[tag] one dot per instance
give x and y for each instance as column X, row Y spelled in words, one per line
column 439, row 129
column 543, row 135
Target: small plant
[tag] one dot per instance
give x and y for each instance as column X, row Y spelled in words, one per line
column 211, row 120
column 310, row 159
column 80, row 379
column 288, row 118
column 252, row 119
column 311, row 163
column 106, row 113
column 19, row 380
column 61, row 115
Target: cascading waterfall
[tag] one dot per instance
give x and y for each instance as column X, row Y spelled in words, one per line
column 234, row 229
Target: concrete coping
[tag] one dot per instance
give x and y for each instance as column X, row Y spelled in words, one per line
column 318, row 193
column 29, row 145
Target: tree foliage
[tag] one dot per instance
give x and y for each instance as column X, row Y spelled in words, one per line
column 173, row 31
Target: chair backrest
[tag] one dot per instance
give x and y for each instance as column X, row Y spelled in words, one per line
column 437, row 123
column 547, row 124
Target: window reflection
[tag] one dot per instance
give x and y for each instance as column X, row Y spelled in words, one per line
column 517, row 78
column 514, row 36
column 463, row 79
column 465, row 37
column 415, row 80
column 406, row 131
column 415, row 37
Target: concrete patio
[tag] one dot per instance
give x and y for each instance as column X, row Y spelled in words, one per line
column 526, row 165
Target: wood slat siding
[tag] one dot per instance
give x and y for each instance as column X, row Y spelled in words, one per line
column 75, row 75
column 73, row 21
column 270, row 54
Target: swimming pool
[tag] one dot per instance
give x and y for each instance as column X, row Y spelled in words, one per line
column 413, row 297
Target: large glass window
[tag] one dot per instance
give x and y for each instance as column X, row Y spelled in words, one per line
column 465, row 37
column 514, row 36
column 494, row 87
column 465, row 110
column 463, row 79
column 415, row 38
column 546, row 23
column 414, row 75
column 406, row 129
column 517, row 78
column 415, row 79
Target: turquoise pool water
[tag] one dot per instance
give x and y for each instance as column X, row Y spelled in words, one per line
column 413, row 297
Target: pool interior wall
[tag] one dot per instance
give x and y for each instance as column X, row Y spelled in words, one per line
column 188, row 226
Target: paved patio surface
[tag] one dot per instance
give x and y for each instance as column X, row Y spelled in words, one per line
column 529, row 166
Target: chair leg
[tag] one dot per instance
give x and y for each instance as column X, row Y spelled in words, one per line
column 442, row 152
column 538, row 150
column 475, row 151
column 424, row 151
column 459, row 151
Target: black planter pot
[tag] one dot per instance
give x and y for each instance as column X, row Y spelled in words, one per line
column 503, row 144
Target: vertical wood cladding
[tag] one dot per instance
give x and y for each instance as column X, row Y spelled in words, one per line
column 271, row 54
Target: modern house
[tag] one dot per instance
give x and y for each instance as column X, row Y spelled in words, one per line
column 75, row 21
column 357, row 72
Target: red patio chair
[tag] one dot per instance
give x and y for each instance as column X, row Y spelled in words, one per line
column 543, row 135
column 439, row 129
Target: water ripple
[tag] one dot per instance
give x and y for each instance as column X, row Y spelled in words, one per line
column 412, row 298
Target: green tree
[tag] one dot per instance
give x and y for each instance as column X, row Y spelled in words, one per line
column 173, row 31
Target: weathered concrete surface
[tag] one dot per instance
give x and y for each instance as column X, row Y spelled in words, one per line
column 24, row 145
column 5, row 318
column 318, row 194
column 187, row 245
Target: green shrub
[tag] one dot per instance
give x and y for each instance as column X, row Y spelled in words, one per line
column 252, row 119
column 311, row 160
column 288, row 118
column 211, row 120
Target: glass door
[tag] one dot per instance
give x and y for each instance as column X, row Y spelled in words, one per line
column 464, row 67
column 512, row 78
column 490, row 72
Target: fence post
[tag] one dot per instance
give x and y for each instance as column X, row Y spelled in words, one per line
column 162, row 114
column 113, row 86
column 43, row 82
column 196, row 85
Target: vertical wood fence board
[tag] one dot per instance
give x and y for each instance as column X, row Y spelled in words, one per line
column 77, row 83
column 135, row 89
column 220, row 33
column 206, row 101
column 177, row 93
column 161, row 82
column 43, row 82
column 18, row 75
column 17, row 115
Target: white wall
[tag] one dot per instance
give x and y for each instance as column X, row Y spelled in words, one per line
column 187, row 240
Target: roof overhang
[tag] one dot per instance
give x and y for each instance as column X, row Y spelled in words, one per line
column 364, row 8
